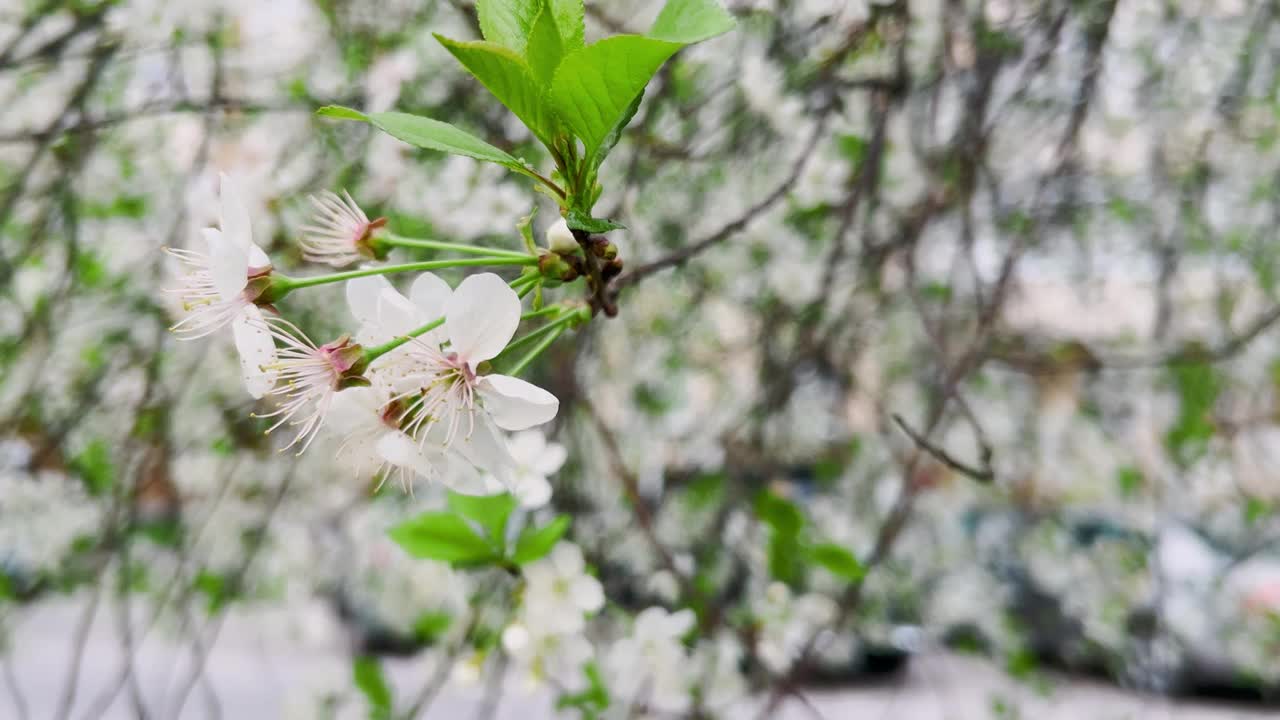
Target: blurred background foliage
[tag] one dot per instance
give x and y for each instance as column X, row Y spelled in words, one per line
column 944, row 324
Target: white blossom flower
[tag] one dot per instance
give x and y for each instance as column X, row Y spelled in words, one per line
column 341, row 233
column 653, row 661
column 559, row 594
column 787, row 624
column 446, row 399
column 368, row 420
column 558, row 657
column 309, row 376
column 533, row 459
column 222, row 287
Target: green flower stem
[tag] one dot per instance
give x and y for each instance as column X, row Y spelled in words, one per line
column 548, row 310
column 537, row 349
column 398, row 241
column 377, row 351
column 290, row 284
column 555, row 326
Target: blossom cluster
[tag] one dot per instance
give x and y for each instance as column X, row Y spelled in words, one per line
column 410, row 392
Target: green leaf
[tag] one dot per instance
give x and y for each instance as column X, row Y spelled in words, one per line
column 507, row 22
column 95, row 468
column 367, row 673
column 593, row 87
column 578, row 220
column 427, row 133
column 534, row 544
column 691, row 21
column 838, row 561
column 570, row 16
column 613, row 136
column 430, row 626
column 343, row 113
column 509, row 78
column 442, row 536
column 779, row 513
column 546, row 49
column 488, row 511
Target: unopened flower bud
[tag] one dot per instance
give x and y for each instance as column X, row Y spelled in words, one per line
column 611, row 269
column 560, row 238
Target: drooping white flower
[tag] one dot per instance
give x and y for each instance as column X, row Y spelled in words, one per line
column 309, row 377
column 533, row 459
column 341, row 233
column 222, row 285
column 559, row 594
column 653, row 660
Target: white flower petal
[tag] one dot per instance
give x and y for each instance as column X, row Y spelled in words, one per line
column 355, row 409
column 257, row 350
column 587, row 593
column 400, row 450
column 567, row 559
column 235, row 216
column 362, row 297
column 551, row 459
column 483, row 447
column 430, row 294
column 515, row 404
column 258, row 258
column 481, row 316
column 527, row 446
column 533, row 491
column 461, row 476
column 228, row 265
column 396, row 315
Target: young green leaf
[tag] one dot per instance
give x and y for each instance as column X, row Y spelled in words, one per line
column 507, row 22
column 611, row 138
column 442, row 536
column 534, row 544
column 426, row 133
column 546, row 49
column 838, row 561
column 691, row 21
column 570, row 17
column 593, row 87
column 578, row 220
column 488, row 511
column 509, row 78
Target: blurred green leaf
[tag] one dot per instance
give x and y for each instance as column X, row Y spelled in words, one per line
column 430, row 626
column 367, row 673
column 534, row 544
column 778, row 513
column 442, row 536
column 488, row 511
column 95, row 468
column 1198, row 385
column 838, row 561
